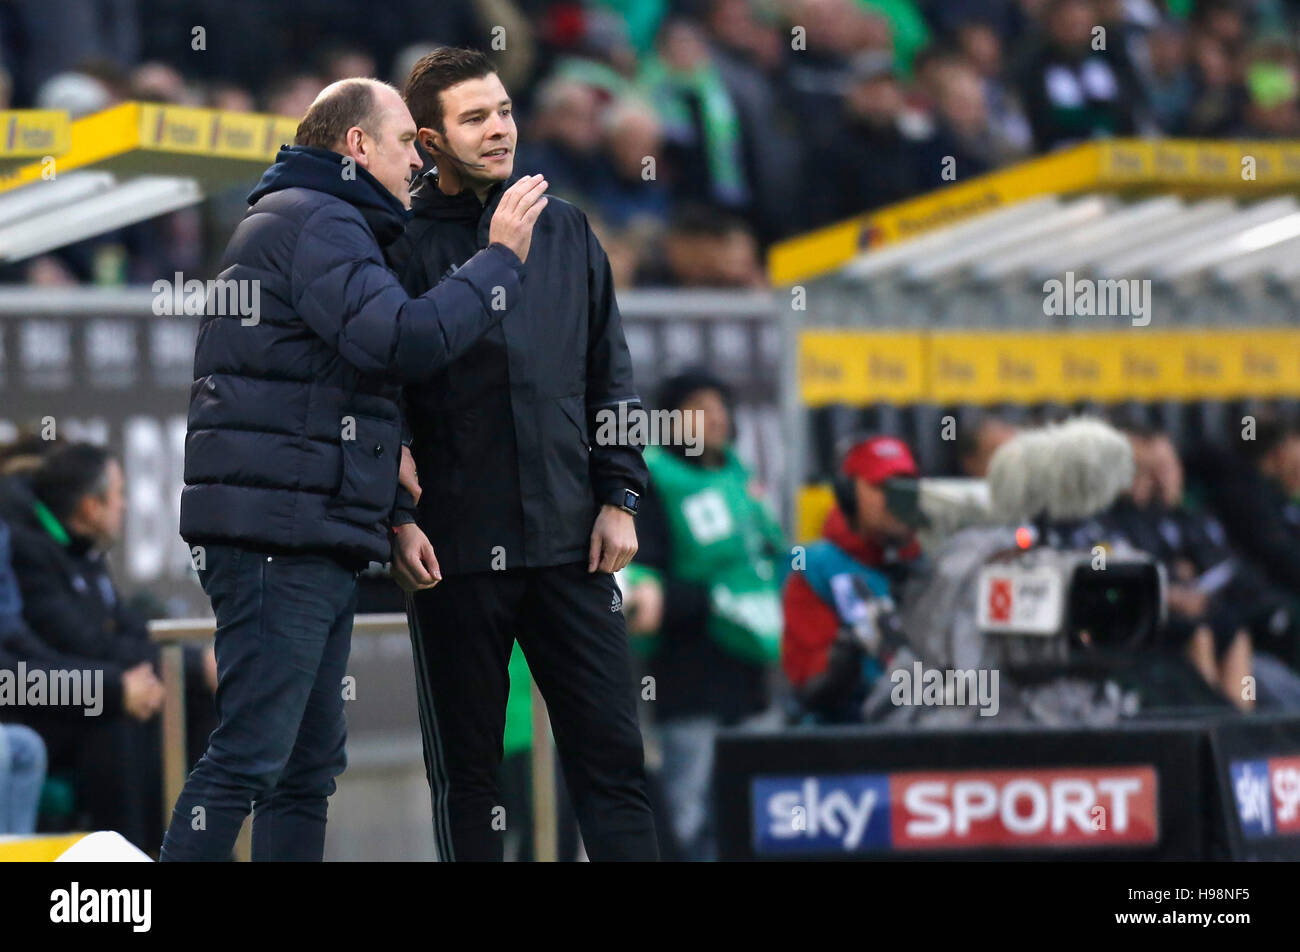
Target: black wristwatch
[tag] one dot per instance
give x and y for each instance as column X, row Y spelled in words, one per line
column 626, row 500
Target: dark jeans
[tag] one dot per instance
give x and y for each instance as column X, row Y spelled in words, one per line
column 568, row 623
column 284, row 626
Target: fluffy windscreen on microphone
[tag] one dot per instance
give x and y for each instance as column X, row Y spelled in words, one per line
column 1069, row 470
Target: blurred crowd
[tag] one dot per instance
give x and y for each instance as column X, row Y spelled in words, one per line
column 694, row 132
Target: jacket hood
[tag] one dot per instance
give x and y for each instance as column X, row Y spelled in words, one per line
column 300, row 166
column 429, row 201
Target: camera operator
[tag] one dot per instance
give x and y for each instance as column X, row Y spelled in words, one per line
column 841, row 627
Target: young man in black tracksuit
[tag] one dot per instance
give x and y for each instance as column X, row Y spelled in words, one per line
column 524, row 514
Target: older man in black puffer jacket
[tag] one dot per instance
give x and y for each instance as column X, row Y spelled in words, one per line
column 293, row 450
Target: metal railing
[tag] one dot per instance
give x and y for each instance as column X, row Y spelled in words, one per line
column 173, row 634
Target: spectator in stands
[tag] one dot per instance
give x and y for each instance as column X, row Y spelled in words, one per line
column 749, row 51
column 1072, row 87
column 1257, row 495
column 841, row 626
column 981, row 49
column 343, row 62
column 231, row 98
column 706, row 248
column 60, row 539
column 908, row 31
column 565, row 140
column 135, row 691
column 978, row 440
column 705, row 587
column 703, row 140
column 1220, row 100
column 158, row 82
column 1223, row 21
column 964, row 143
column 1273, row 84
column 1169, row 78
column 1208, row 598
column 820, row 74
column 631, row 192
column 293, row 95
column 878, row 148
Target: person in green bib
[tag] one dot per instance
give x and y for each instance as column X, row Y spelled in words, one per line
column 703, row 599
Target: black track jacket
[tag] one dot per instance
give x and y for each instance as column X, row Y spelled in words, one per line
column 504, row 439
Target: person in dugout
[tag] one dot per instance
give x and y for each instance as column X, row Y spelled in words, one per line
column 703, row 600
column 841, row 625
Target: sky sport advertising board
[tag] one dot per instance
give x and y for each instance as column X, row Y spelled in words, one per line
column 1258, row 772
column 955, row 810
column 1266, row 793
column 1136, row 791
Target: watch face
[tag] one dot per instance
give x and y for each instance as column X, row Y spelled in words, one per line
column 630, row 500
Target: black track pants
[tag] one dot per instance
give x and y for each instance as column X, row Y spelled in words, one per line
column 462, row 631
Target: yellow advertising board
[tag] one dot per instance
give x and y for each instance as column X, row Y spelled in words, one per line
column 211, row 132
column 861, row 367
column 982, row 367
column 211, row 145
column 27, row 134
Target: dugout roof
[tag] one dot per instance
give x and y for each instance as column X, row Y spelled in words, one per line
column 62, row 181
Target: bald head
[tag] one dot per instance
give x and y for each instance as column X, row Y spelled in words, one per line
column 367, row 120
column 339, row 107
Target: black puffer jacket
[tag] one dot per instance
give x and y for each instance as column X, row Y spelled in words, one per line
column 294, row 429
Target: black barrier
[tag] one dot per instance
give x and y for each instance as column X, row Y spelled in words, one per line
column 1141, row 791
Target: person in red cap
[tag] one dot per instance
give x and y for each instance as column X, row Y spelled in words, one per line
column 841, row 628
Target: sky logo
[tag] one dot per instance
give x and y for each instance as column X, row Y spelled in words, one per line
column 827, row 814
column 1267, row 794
column 1250, row 790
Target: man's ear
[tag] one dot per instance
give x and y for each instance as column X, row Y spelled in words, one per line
column 354, row 146
column 431, row 139
column 432, row 142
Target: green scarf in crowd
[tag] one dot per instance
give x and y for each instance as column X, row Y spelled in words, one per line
column 668, row 89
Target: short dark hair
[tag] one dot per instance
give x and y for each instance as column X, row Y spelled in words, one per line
column 350, row 102
column 69, row 474
column 436, row 71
